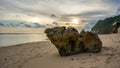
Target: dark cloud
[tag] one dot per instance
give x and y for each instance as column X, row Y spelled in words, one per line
column 118, row 11
column 114, row 3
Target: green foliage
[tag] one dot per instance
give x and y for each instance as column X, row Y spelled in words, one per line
column 105, row 26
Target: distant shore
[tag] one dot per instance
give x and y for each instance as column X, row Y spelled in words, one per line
column 44, row 55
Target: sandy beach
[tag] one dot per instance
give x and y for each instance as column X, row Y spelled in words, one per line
column 45, row 55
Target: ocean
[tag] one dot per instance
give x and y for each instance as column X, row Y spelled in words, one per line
column 14, row 39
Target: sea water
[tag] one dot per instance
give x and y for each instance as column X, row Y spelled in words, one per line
column 14, row 39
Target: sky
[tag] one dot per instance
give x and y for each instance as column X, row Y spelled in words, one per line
column 85, row 12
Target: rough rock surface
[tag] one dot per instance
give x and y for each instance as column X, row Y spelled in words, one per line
column 116, row 26
column 68, row 41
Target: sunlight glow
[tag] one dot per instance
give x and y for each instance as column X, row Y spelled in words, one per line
column 75, row 21
column 36, row 20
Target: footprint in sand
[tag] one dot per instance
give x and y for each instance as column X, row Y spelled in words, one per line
column 93, row 67
column 72, row 67
column 83, row 62
column 108, row 60
column 5, row 59
column 81, row 67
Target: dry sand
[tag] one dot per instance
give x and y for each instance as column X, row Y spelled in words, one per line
column 45, row 55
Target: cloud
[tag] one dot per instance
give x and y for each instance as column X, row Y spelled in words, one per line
column 64, row 10
column 87, row 16
column 118, row 11
column 114, row 3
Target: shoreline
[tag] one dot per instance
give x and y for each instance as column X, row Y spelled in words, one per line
column 45, row 55
column 23, row 44
column 16, row 39
column 21, row 33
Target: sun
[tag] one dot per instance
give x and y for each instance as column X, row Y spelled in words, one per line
column 36, row 20
column 75, row 21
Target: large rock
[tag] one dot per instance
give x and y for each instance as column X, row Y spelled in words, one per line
column 68, row 41
column 91, row 41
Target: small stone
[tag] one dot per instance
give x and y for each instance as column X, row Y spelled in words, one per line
column 72, row 59
column 89, row 54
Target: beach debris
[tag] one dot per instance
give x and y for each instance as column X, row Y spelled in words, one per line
column 69, row 41
column 116, row 27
